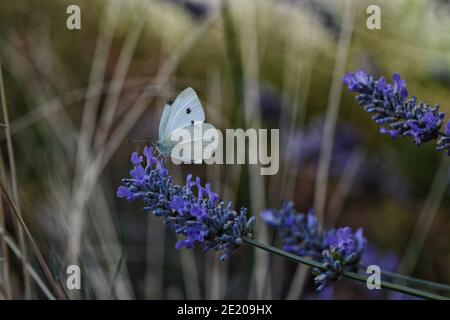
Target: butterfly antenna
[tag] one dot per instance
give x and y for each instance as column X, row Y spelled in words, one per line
column 139, row 140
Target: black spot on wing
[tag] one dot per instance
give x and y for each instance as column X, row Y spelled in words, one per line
column 171, row 101
column 188, row 110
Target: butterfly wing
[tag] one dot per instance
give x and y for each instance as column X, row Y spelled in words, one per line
column 188, row 146
column 164, row 119
column 185, row 110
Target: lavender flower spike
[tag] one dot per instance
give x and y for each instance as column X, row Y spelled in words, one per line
column 344, row 251
column 338, row 250
column 397, row 114
column 193, row 210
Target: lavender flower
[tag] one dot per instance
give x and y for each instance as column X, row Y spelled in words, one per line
column 444, row 141
column 300, row 232
column 338, row 250
column 394, row 111
column 344, row 251
column 305, row 145
column 193, row 210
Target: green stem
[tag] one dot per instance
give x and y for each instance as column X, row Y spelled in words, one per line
column 346, row 274
column 232, row 50
column 419, row 282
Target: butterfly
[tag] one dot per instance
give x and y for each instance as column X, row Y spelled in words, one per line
column 184, row 117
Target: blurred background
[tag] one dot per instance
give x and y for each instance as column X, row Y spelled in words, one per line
column 74, row 97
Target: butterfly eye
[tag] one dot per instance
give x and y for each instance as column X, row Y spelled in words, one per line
column 188, row 110
column 170, row 102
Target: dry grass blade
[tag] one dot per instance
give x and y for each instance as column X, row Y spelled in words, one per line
column 15, row 249
column 119, row 77
column 89, row 117
column 34, row 246
column 426, row 217
column 252, row 117
column 6, row 263
column 12, row 165
column 4, row 246
column 326, row 149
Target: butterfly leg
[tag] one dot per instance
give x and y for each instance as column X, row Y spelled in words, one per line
column 160, row 155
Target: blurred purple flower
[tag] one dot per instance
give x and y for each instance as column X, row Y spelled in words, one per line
column 270, row 103
column 304, row 146
column 388, row 261
column 299, row 232
column 198, row 9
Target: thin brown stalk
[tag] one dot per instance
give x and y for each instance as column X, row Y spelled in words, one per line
column 12, row 165
column 4, row 246
column 34, row 246
column 5, row 256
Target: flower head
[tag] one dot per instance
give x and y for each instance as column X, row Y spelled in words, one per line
column 344, row 251
column 391, row 108
column 300, row 232
column 338, row 250
column 192, row 210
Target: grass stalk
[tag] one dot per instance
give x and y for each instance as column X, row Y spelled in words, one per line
column 3, row 244
column 343, row 46
column 252, row 118
column 33, row 274
column 426, row 217
column 88, row 121
column 15, row 191
column 34, row 246
column 5, row 256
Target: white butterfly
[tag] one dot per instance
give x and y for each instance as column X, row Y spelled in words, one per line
column 184, row 117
